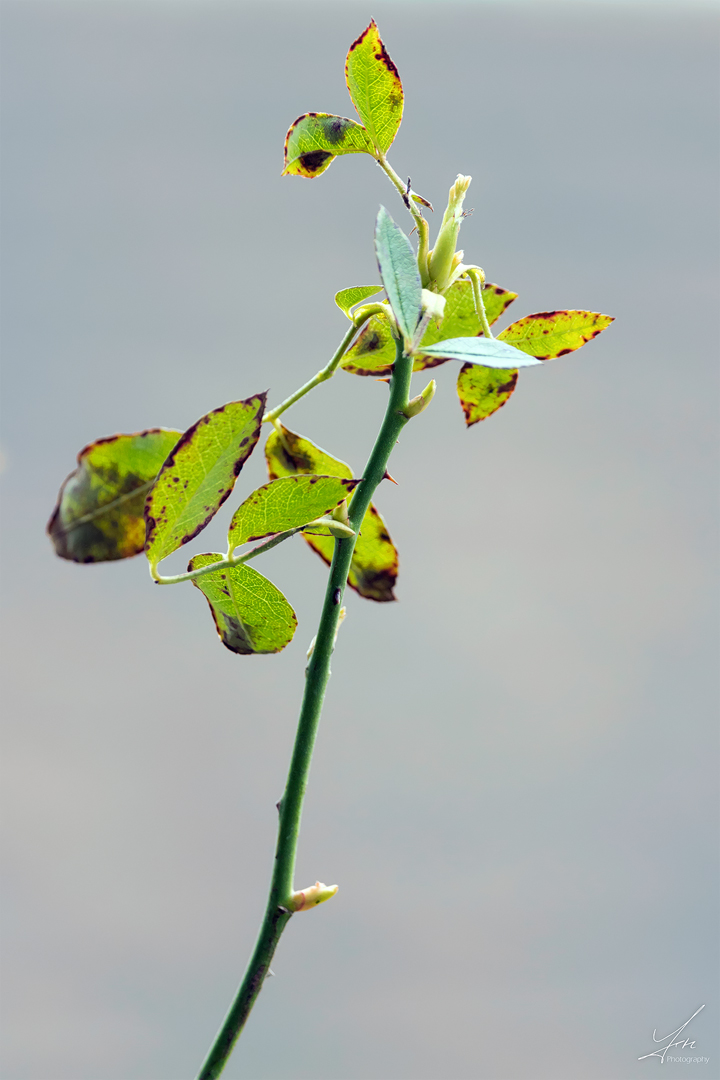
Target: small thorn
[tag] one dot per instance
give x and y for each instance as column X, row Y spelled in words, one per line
column 278, row 806
column 382, row 380
column 414, row 229
column 387, row 476
column 270, row 974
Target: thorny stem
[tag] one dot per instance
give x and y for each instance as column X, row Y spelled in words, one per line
column 280, row 903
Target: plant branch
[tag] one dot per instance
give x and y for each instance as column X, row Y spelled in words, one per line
column 328, row 371
column 175, row 579
column 280, row 901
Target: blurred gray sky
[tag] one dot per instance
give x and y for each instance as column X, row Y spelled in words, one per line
column 514, row 782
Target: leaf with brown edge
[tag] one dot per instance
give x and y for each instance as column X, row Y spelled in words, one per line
column 373, row 353
column 251, row 614
column 374, row 86
column 482, row 391
column 99, row 512
column 314, row 140
column 374, row 566
column 548, row 334
column 199, row 475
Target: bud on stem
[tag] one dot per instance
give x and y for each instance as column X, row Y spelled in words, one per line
column 442, row 255
column 418, row 404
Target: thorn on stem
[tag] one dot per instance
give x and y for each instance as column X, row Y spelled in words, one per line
column 387, row 476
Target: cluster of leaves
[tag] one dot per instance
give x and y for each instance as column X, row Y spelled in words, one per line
column 155, row 490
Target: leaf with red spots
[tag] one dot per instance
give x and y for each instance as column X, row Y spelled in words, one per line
column 199, row 475
column 99, row 513
column 375, row 88
column 482, row 391
column 316, row 139
column 286, row 503
column 374, row 566
column 250, row 613
column 548, row 334
column 374, row 351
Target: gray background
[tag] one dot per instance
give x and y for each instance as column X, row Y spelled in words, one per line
column 514, row 778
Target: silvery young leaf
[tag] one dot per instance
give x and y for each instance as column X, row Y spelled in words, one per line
column 399, row 272
column 199, row 475
column 286, row 503
column 375, row 88
column 374, row 566
column 548, row 334
column 316, row 139
column 99, row 513
column 348, row 298
column 490, row 352
column 482, row 391
column 374, row 351
column 250, row 613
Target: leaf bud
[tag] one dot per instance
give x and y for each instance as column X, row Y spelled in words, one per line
column 418, row 404
column 442, row 255
column 311, row 897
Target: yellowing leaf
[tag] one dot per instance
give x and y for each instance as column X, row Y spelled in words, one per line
column 375, row 88
column 251, row 614
column 548, row 334
column 286, row 503
column 373, row 353
column 482, row 391
column 99, row 513
column 316, row 139
column 374, row 566
column 199, row 475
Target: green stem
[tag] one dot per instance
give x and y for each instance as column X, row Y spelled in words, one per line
column 477, row 280
column 325, row 373
column 280, row 900
column 420, row 222
column 175, row 579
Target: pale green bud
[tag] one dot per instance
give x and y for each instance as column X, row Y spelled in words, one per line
column 418, row 404
column 311, row 897
column 442, row 255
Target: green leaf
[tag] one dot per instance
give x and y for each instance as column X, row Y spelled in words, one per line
column 375, row 88
column 199, row 475
column 99, row 512
column 374, row 567
column 250, row 613
column 374, row 351
column 286, row 503
column 348, row 298
column 554, row 333
column 490, row 352
column 482, row 391
column 399, row 273
column 316, row 139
